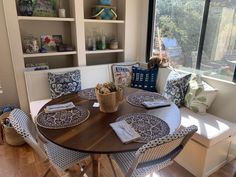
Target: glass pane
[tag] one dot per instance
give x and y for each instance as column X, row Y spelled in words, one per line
column 177, row 28
column 219, row 53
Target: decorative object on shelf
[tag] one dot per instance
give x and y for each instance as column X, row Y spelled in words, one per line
column 58, row 39
column 62, row 13
column 42, row 50
column 25, row 7
column 104, row 12
column 101, row 42
column 36, row 66
column 109, row 97
column 30, row 44
column 48, row 42
column 104, row 2
column 64, row 48
column 45, row 8
column 114, row 44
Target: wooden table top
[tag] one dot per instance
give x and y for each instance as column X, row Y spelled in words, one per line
column 95, row 134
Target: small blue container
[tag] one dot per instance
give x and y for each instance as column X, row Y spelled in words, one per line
column 104, row 2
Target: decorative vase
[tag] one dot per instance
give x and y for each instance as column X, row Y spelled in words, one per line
column 110, row 102
column 25, row 7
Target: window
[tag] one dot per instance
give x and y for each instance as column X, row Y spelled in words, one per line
column 195, row 34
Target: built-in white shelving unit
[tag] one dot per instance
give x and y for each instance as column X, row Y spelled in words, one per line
column 49, row 54
column 57, row 19
column 74, row 28
column 104, row 51
column 103, row 21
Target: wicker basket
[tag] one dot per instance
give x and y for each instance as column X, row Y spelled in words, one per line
column 109, row 102
column 10, row 135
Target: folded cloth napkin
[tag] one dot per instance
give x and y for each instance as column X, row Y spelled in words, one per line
column 124, row 131
column 59, row 107
column 156, row 104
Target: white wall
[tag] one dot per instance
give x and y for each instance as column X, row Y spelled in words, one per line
column 7, row 79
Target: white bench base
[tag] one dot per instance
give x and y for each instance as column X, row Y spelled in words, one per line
column 202, row 161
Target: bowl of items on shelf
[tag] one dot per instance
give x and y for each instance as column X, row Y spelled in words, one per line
column 104, row 10
column 109, row 97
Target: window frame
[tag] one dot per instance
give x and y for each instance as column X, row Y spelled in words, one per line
column 150, row 31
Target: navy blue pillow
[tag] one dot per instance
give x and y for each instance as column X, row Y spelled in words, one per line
column 144, row 78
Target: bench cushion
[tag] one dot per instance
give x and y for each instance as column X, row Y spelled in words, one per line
column 211, row 129
column 35, row 107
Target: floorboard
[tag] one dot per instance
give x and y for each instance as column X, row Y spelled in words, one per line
column 23, row 162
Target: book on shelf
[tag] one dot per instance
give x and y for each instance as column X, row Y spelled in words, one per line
column 36, row 67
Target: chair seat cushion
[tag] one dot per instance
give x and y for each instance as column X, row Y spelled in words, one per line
column 211, row 129
column 35, row 107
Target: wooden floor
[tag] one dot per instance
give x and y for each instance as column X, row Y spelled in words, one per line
column 23, row 162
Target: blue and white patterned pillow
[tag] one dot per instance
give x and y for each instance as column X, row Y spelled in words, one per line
column 177, row 87
column 144, row 78
column 63, row 84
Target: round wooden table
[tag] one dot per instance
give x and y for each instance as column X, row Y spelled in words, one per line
column 95, row 136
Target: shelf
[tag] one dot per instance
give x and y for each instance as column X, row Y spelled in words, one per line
column 103, row 21
column 49, row 54
column 30, row 18
column 104, row 51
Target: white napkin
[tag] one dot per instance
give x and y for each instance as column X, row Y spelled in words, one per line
column 124, row 131
column 59, row 107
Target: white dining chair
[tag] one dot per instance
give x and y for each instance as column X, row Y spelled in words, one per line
column 59, row 157
column 154, row 155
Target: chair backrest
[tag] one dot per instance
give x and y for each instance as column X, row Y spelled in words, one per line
column 163, row 149
column 27, row 129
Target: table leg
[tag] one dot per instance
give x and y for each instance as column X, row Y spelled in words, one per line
column 96, row 165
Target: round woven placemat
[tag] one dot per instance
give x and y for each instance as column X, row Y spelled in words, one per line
column 149, row 127
column 88, row 94
column 63, row 119
column 137, row 98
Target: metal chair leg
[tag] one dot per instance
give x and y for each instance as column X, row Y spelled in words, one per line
column 112, row 165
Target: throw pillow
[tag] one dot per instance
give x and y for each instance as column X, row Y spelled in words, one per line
column 176, row 87
column 63, row 84
column 122, row 74
column 144, row 78
column 200, row 95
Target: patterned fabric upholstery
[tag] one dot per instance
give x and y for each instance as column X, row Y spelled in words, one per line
column 61, row 157
column 122, row 73
column 154, row 155
column 65, row 83
column 176, row 87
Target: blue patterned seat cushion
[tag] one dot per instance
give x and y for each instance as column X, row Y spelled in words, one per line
column 144, row 78
column 63, row 84
column 176, row 87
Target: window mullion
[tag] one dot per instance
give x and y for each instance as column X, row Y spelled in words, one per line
column 203, row 33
